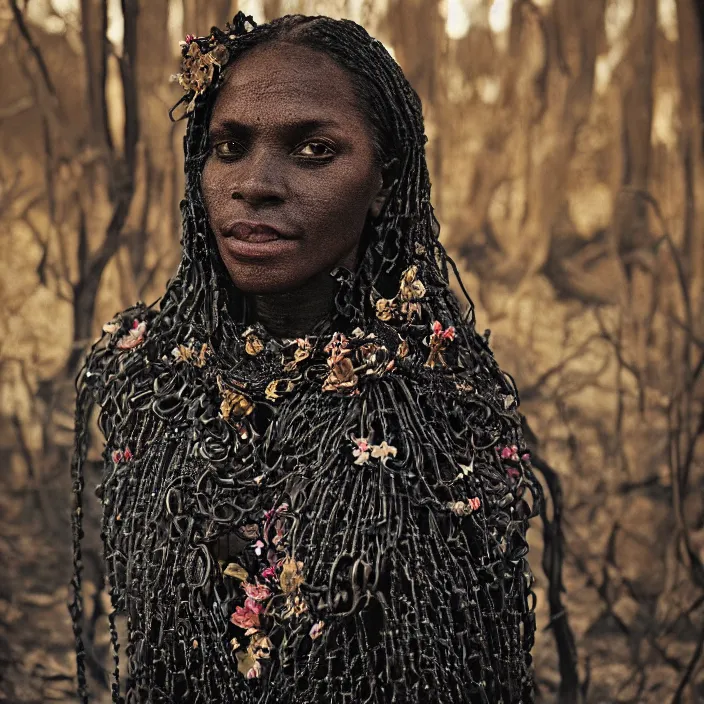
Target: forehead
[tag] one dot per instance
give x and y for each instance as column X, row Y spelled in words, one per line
column 285, row 82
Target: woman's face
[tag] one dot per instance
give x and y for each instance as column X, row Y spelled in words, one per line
column 289, row 149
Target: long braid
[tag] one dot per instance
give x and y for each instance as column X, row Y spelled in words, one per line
column 414, row 563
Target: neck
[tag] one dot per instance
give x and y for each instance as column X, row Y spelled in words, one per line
column 295, row 313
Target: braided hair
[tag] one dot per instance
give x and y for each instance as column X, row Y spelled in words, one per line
column 335, row 518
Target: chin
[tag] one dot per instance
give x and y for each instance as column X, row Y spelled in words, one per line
column 262, row 280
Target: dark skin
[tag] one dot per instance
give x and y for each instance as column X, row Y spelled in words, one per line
column 315, row 183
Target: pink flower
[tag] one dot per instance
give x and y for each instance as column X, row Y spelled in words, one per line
column 510, row 453
column 254, row 671
column 245, row 618
column 269, row 573
column 317, row 629
column 277, row 509
column 526, row 457
column 258, row 547
column 361, row 452
column 258, row 592
column 128, row 454
column 448, row 334
column 117, row 456
column 251, row 605
column 474, row 503
column 513, row 473
column 134, row 337
column 189, row 38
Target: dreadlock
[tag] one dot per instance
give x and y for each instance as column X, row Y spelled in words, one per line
column 340, row 518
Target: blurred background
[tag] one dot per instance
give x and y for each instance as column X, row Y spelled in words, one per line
column 566, row 156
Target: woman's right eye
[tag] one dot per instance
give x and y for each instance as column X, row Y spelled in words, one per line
column 227, row 149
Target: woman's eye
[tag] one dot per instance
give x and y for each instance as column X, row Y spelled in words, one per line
column 226, row 149
column 320, row 147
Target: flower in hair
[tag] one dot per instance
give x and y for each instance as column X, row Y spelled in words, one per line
column 198, row 66
column 134, row 337
column 439, row 341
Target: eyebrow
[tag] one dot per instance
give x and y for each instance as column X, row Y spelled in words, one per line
column 296, row 127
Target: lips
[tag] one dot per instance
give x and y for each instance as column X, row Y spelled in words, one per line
column 247, row 241
column 253, row 232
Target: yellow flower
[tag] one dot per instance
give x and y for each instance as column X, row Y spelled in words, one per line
column 291, row 576
column 383, row 451
column 385, row 308
column 254, row 345
column 237, row 571
column 277, row 387
column 260, row 646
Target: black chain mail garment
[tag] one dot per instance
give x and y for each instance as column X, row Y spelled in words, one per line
column 333, row 519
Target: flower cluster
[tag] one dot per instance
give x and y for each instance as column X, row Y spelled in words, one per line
column 411, row 290
column 342, row 375
column 134, row 337
column 198, row 66
column 364, row 450
column 275, row 592
column 439, row 341
column 233, row 404
column 301, row 348
column 120, row 455
column 186, row 353
column 460, row 508
column 510, row 453
column 253, row 345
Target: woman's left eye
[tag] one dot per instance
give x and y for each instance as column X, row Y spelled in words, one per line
column 319, row 145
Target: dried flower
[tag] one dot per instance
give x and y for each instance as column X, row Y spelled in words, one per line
column 460, row 508
column 260, row 646
column 198, row 68
column 186, row 353
column 254, row 671
column 510, row 453
column 269, row 573
column 383, row 451
column 134, row 337
column 111, row 326
column 342, row 374
column 234, row 643
column 247, row 664
column 385, row 308
column 291, row 575
column 277, row 387
column 411, row 287
column 233, row 404
column 295, row 606
column 253, row 345
column 258, row 592
column 236, row 571
column 249, row 531
column 245, row 617
column 317, row 629
column 402, row 350
column 439, row 341
column 361, row 452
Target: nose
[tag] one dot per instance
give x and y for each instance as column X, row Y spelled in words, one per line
column 258, row 179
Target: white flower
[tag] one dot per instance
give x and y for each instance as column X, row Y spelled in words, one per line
column 361, row 452
column 383, row 451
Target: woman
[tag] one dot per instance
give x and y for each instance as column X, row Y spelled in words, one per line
column 315, row 485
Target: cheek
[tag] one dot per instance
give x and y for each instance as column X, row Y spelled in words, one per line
column 337, row 210
column 215, row 195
